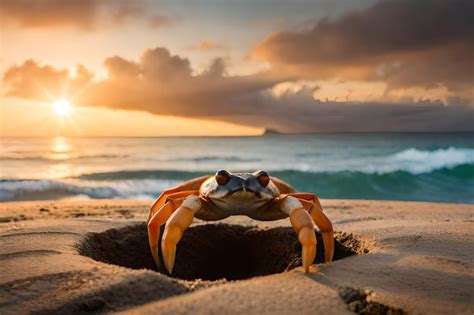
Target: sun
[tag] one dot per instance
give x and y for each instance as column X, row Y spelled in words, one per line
column 62, row 107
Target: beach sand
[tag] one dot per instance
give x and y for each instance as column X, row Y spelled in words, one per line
column 393, row 257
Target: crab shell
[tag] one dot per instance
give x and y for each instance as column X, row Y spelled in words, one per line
column 256, row 195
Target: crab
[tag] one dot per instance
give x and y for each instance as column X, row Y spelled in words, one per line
column 256, row 195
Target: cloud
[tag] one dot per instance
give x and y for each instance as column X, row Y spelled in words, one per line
column 206, row 45
column 299, row 111
column 402, row 42
column 32, row 80
column 81, row 14
column 158, row 82
column 162, row 83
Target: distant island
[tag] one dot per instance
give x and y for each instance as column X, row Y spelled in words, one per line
column 269, row 132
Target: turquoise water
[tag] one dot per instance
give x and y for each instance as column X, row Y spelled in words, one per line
column 425, row 167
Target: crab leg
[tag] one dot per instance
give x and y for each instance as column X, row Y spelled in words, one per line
column 161, row 201
column 190, row 185
column 304, row 227
column 179, row 221
column 306, row 196
column 324, row 225
column 159, row 216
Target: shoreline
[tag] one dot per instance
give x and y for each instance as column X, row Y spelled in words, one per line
column 419, row 260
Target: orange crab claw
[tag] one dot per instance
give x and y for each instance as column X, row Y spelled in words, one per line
column 304, row 228
column 304, row 211
column 324, row 225
column 159, row 216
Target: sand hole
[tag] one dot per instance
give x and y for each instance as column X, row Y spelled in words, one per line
column 213, row 251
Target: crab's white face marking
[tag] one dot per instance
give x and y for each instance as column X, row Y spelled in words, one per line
column 239, row 193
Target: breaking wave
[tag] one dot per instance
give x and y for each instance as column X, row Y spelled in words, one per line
column 448, row 184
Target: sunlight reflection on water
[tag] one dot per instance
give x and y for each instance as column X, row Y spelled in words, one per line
column 61, row 149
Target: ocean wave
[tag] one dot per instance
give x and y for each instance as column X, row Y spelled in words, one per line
column 411, row 161
column 454, row 184
column 142, row 174
column 444, row 185
column 204, row 159
column 420, row 161
column 219, row 158
column 14, row 190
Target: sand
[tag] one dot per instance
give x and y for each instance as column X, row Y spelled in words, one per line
column 92, row 256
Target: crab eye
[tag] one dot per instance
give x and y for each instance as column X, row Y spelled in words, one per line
column 222, row 177
column 263, row 178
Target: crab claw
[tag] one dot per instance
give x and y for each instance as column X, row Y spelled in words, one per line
column 324, row 225
column 168, row 246
column 307, row 239
column 303, row 225
column 179, row 221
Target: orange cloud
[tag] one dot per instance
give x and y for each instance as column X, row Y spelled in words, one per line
column 34, row 81
column 402, row 42
column 206, row 45
column 81, row 14
column 163, row 84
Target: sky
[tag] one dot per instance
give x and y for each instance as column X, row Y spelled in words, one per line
column 222, row 67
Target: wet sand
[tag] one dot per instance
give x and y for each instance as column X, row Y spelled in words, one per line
column 82, row 256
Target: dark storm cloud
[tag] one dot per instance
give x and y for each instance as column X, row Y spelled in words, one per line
column 300, row 112
column 82, row 14
column 162, row 83
column 402, row 42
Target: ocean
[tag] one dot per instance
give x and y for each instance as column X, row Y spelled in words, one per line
column 388, row 166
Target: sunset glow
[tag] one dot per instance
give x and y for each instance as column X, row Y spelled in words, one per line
column 235, row 68
column 62, row 108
